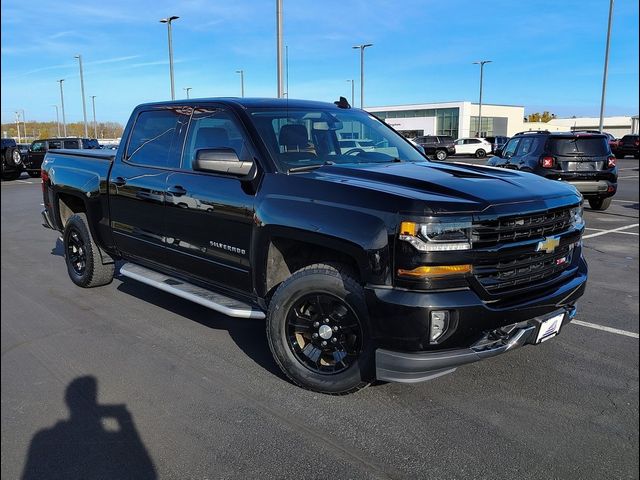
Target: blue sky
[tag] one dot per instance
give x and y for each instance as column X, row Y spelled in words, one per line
column 547, row 54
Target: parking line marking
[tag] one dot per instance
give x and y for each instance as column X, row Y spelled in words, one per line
column 605, row 329
column 604, row 232
column 626, row 201
column 630, row 176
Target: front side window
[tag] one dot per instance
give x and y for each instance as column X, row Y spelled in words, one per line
column 38, row 147
column 299, row 137
column 214, row 128
column 154, row 136
column 510, row 148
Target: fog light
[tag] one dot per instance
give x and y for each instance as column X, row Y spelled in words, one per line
column 439, row 325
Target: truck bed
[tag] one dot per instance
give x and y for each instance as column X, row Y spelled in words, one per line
column 91, row 153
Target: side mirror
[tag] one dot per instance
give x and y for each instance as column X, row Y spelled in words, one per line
column 221, row 160
column 498, row 152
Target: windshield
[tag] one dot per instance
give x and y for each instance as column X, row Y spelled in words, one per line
column 591, row 146
column 307, row 137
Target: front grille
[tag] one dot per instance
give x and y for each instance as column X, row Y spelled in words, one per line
column 503, row 230
column 522, row 271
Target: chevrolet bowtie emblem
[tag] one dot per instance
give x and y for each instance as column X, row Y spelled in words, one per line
column 548, row 244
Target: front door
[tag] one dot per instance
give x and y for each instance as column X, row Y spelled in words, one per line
column 138, row 182
column 210, row 217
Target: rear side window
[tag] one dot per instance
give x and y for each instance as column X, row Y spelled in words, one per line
column 471, row 140
column 430, row 140
column 91, row 144
column 53, row 144
column 71, row 144
column 154, row 137
column 527, row 145
column 574, row 146
column 446, row 139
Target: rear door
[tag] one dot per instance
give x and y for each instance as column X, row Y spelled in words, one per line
column 210, row 217
column 37, row 150
column 579, row 153
column 138, row 181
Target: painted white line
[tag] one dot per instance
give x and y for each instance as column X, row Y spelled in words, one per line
column 599, row 230
column 626, row 201
column 626, row 227
column 629, row 176
column 596, row 229
column 605, row 329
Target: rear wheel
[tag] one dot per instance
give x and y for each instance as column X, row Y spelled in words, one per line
column 600, row 203
column 480, row 153
column 441, row 155
column 82, row 256
column 318, row 332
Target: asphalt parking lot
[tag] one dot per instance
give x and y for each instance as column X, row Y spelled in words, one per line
column 183, row 392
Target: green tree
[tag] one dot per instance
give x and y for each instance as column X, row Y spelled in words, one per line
column 541, row 117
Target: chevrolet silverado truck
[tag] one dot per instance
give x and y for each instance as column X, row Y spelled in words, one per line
column 371, row 264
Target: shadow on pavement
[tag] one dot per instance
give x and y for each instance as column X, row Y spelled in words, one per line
column 95, row 442
column 248, row 334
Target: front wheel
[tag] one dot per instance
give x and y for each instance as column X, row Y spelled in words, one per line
column 600, row 203
column 480, row 153
column 441, row 155
column 318, row 331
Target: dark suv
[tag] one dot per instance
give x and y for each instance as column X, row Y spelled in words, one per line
column 39, row 148
column 627, row 145
column 582, row 159
column 439, row 146
column 11, row 159
column 497, row 142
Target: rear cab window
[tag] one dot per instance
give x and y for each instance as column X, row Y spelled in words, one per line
column 73, row 144
column 576, row 146
column 54, row 144
column 155, row 137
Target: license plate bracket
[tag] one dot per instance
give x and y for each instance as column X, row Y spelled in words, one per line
column 549, row 328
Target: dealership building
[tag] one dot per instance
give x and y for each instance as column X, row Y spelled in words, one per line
column 456, row 119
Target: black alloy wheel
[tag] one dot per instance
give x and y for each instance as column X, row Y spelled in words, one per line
column 324, row 334
column 76, row 252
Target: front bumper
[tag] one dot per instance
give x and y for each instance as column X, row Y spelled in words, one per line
column 410, row 367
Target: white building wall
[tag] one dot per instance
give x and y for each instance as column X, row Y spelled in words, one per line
column 428, row 124
column 514, row 115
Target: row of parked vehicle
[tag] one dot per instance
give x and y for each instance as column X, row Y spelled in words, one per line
column 441, row 147
column 17, row 158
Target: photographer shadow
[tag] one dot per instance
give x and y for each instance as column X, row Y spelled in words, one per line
column 95, row 442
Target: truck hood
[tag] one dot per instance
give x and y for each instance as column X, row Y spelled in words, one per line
column 454, row 188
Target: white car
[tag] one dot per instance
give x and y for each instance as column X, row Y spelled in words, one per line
column 478, row 147
column 357, row 144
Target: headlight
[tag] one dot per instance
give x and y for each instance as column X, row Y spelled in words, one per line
column 575, row 215
column 437, row 236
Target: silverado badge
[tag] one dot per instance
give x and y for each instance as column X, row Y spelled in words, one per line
column 548, row 244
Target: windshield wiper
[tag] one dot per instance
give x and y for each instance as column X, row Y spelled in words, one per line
column 306, row 168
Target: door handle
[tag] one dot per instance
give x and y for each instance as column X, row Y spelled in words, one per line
column 176, row 191
column 119, row 181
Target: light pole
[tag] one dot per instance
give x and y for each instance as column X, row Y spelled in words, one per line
column 481, row 63
column 18, row 125
column 57, row 119
column 168, row 21
column 361, row 48
column 95, row 124
column 84, row 105
column 353, row 94
column 64, row 120
column 187, row 90
column 241, row 72
column 279, row 48
column 606, row 66
column 24, row 124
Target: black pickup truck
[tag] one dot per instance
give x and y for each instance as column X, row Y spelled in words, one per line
column 376, row 264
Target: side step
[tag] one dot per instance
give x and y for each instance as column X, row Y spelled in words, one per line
column 199, row 295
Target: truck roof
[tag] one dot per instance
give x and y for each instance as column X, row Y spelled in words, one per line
column 248, row 102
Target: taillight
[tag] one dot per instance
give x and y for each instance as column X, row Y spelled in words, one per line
column 637, row 142
column 45, row 178
column 547, row 162
column 611, row 161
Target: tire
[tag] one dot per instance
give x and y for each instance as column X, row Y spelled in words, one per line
column 600, row 203
column 480, row 153
column 341, row 305
column 33, row 174
column 12, row 157
column 441, row 155
column 13, row 175
column 81, row 254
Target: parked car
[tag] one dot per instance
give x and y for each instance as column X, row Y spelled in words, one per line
column 477, row 147
column 39, row 148
column 497, row 142
column 438, row 146
column 363, row 144
column 11, row 159
column 374, row 264
column 582, row 159
column 627, row 145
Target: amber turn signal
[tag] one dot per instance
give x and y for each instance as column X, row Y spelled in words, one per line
column 435, row 271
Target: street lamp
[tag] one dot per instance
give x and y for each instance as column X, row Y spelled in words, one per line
column 352, row 91
column 481, row 63
column 84, row 105
column 57, row 119
column 18, row 125
column 64, row 120
column 361, row 48
column 95, row 124
column 241, row 72
column 187, row 90
column 606, row 66
column 24, row 124
column 279, row 49
column 168, row 21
